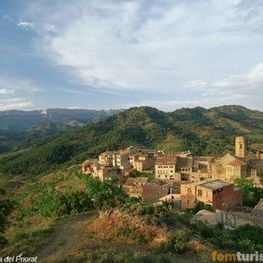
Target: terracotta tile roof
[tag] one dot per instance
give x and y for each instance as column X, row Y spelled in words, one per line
column 236, row 162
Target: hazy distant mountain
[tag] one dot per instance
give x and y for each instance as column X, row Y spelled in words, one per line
column 203, row 131
column 24, row 120
column 16, row 126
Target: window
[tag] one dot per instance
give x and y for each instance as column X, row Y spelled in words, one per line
column 189, row 190
column 200, row 193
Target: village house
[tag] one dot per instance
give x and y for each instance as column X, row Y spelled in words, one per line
column 133, row 186
column 165, row 168
column 143, row 161
column 120, row 162
column 256, row 171
column 179, row 166
column 88, row 166
column 175, row 166
column 99, row 171
column 217, row 193
column 183, row 167
column 148, row 191
column 202, row 169
column 106, row 158
column 102, row 172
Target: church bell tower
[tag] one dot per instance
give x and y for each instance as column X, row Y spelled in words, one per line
column 240, row 147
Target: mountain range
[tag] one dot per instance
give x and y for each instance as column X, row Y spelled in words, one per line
column 17, row 126
column 202, row 131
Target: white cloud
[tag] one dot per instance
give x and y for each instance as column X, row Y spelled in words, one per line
column 16, row 93
column 9, row 86
column 192, row 52
column 15, row 103
column 4, row 91
column 252, row 81
column 25, row 24
column 242, row 89
column 136, row 45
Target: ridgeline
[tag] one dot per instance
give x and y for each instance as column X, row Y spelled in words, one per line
column 202, row 131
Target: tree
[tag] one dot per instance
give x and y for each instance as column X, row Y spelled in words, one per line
column 251, row 194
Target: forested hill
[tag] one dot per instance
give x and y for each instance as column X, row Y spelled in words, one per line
column 16, row 126
column 203, row 131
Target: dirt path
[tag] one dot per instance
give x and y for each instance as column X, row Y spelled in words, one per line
column 67, row 237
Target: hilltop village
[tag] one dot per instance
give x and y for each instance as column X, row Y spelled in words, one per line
column 155, row 176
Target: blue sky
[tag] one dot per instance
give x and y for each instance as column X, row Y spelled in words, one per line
column 105, row 54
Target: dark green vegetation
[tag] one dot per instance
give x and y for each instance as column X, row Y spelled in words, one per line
column 200, row 130
column 6, row 207
column 244, row 238
column 17, row 126
column 251, row 194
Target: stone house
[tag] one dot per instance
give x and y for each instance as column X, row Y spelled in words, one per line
column 174, row 167
column 256, row 171
column 166, row 168
column 133, row 186
column 217, row 193
column 106, row 158
column 148, row 191
column 99, row 171
column 102, row 172
column 143, row 161
column 88, row 166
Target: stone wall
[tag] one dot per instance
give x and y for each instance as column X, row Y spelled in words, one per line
column 236, row 219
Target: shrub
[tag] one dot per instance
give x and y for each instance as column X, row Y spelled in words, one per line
column 177, row 242
column 59, row 204
column 6, row 206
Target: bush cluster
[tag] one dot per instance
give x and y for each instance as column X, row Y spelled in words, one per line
column 6, row 206
column 246, row 238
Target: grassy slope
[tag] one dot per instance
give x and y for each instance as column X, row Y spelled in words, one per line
column 80, row 237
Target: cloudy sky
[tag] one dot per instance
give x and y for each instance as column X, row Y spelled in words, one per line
column 104, row 54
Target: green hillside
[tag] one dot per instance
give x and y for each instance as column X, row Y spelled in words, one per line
column 203, row 131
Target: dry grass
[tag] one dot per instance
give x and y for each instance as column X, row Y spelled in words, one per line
column 127, row 229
